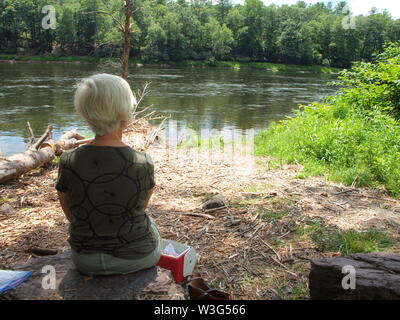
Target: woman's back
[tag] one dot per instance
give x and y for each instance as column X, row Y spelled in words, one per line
column 107, row 189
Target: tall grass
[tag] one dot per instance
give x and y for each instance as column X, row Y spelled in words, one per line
column 353, row 137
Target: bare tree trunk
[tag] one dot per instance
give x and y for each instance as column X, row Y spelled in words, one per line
column 127, row 39
column 125, row 29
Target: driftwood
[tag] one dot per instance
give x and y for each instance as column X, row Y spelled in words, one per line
column 39, row 153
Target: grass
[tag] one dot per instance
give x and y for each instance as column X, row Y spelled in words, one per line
column 247, row 279
column 217, row 284
column 270, row 163
column 279, row 208
column 4, row 200
column 259, row 187
column 56, row 159
column 338, row 143
column 289, row 291
column 352, row 137
column 351, row 241
column 345, row 241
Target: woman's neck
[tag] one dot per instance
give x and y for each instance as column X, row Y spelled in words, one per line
column 111, row 139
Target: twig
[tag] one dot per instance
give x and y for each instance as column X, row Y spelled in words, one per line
column 143, row 93
column 337, row 204
column 269, row 246
column 215, row 209
column 255, row 231
column 193, row 214
column 284, row 267
column 345, row 191
column 44, row 136
column 153, row 135
column 372, row 197
column 32, row 136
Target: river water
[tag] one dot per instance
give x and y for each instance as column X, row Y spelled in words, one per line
column 200, row 98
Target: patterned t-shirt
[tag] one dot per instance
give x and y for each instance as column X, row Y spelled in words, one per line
column 107, row 187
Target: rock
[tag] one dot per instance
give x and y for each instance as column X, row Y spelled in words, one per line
column 215, row 202
column 72, row 285
column 5, row 208
column 377, row 277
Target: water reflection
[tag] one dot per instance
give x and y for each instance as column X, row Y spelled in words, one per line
column 207, row 98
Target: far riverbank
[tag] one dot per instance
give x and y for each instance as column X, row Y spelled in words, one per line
column 226, row 64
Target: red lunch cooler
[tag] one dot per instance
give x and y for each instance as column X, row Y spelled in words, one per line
column 177, row 257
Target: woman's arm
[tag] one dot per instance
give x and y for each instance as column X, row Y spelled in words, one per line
column 149, row 193
column 63, row 197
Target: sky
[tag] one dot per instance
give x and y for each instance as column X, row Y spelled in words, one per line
column 356, row 6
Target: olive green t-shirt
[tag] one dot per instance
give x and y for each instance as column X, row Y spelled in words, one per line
column 107, row 187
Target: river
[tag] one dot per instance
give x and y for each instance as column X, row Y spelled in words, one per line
column 200, row 98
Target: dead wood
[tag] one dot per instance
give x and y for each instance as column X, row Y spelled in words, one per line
column 38, row 154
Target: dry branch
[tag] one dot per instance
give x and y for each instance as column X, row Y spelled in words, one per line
column 18, row 164
column 194, row 214
column 32, row 136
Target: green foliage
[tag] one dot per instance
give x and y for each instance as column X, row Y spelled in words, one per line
column 168, row 30
column 56, row 159
column 352, row 137
column 351, row 241
column 378, row 82
column 346, row 241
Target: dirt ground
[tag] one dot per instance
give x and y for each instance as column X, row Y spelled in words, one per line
column 251, row 249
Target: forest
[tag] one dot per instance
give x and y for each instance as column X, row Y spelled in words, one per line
column 177, row 30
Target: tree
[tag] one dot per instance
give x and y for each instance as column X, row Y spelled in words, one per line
column 220, row 38
column 254, row 19
column 155, row 43
column 222, row 8
column 176, row 30
column 124, row 28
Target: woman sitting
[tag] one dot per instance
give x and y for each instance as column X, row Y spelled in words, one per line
column 105, row 185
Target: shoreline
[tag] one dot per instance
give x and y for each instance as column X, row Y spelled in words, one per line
column 274, row 67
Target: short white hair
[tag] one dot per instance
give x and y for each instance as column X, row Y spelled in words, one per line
column 104, row 100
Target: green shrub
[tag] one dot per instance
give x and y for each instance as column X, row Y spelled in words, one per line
column 352, row 137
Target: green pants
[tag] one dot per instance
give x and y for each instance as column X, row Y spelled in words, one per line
column 105, row 264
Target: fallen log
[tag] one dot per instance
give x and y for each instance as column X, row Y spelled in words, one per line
column 361, row 276
column 16, row 165
column 38, row 154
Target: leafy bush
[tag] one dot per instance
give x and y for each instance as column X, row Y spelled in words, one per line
column 374, row 84
column 352, row 137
